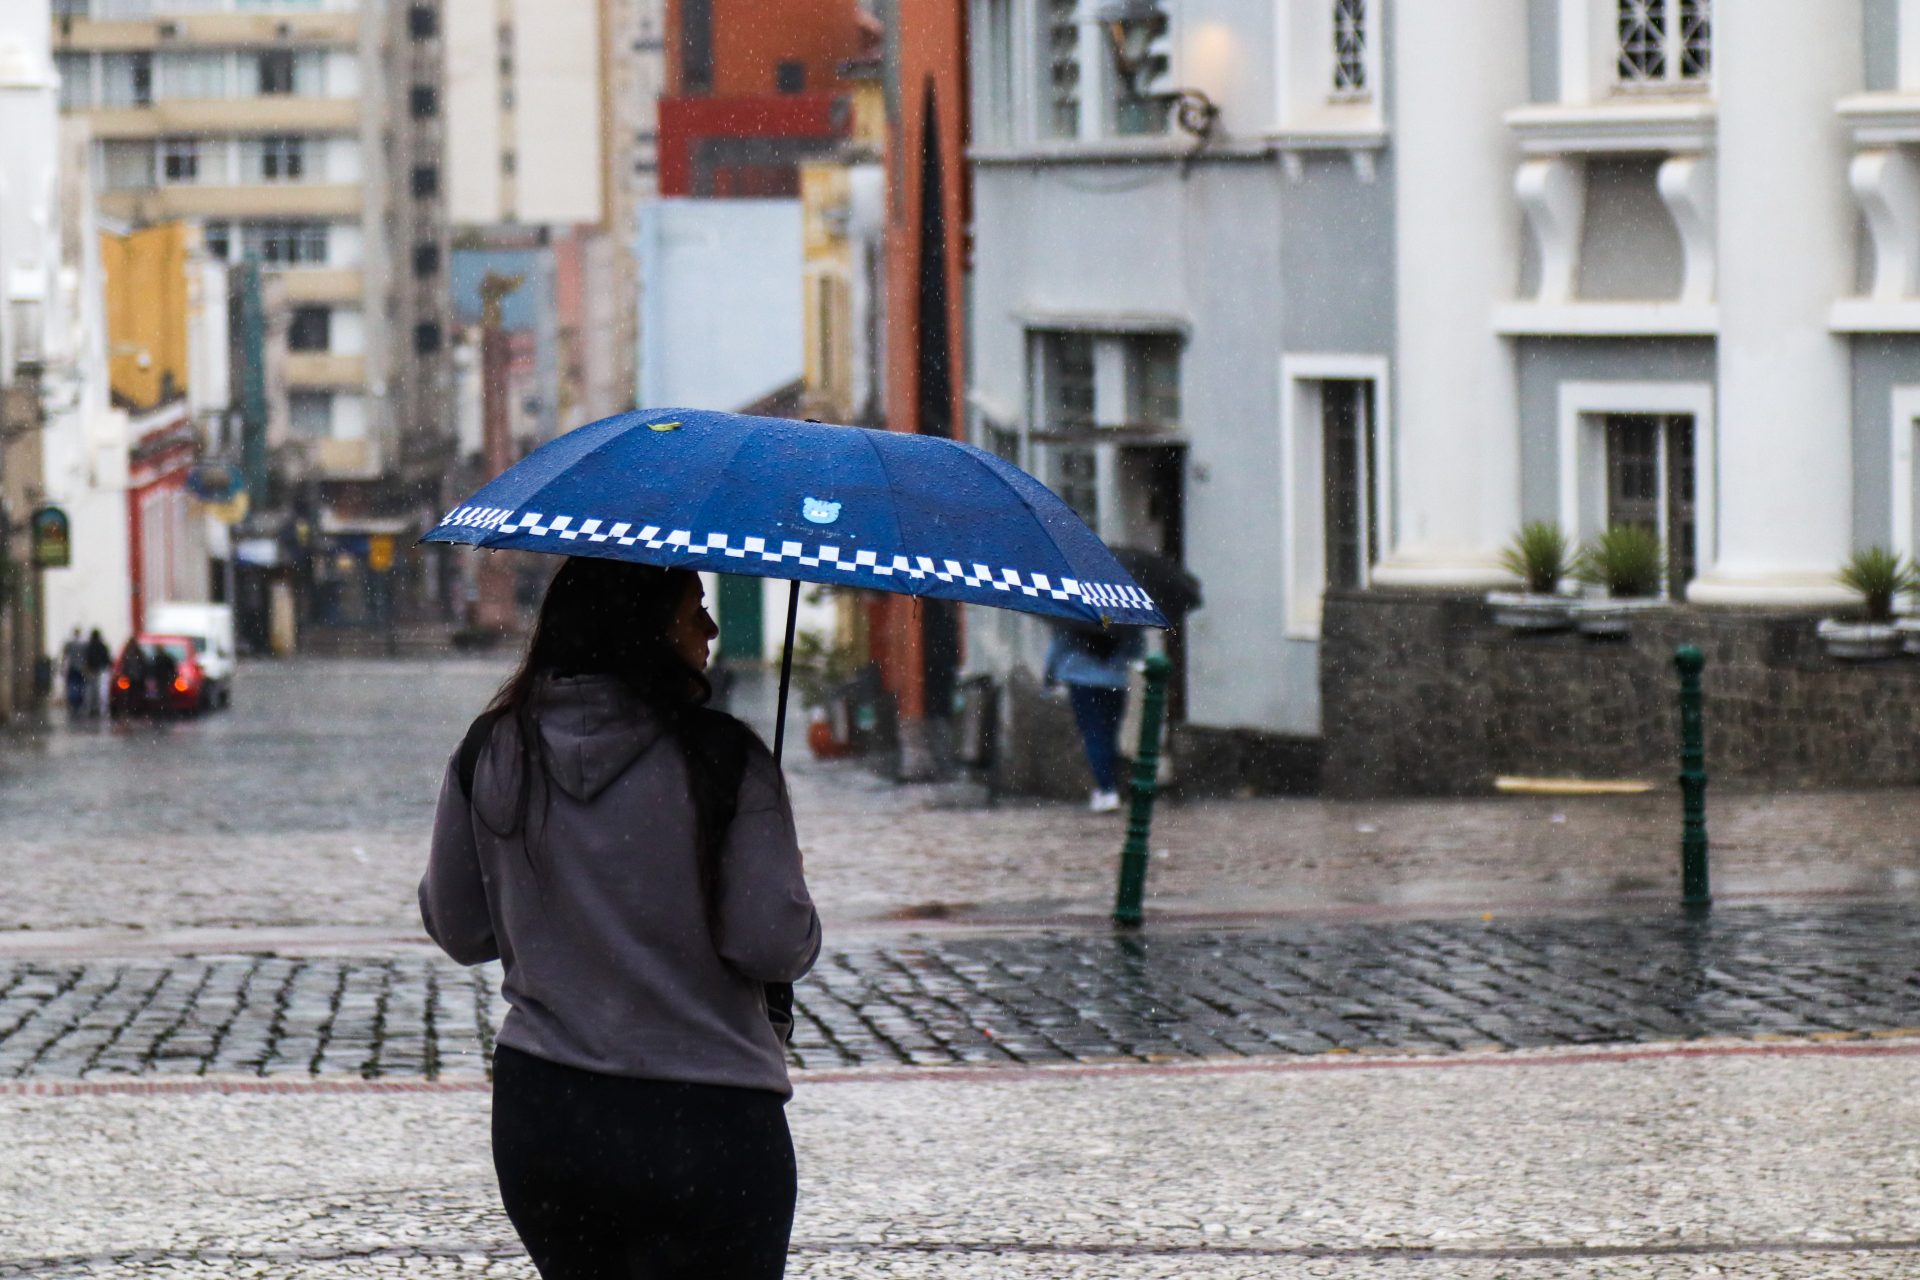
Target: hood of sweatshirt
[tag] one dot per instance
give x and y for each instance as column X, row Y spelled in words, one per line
column 591, row 732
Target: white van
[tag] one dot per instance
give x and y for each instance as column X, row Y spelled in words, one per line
column 210, row 627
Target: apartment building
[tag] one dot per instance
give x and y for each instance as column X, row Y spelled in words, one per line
column 306, row 135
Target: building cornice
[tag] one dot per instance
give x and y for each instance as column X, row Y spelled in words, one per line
column 1606, row 320
column 1113, row 151
column 1626, row 124
column 1881, row 119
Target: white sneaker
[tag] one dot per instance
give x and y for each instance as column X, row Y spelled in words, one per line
column 1103, row 802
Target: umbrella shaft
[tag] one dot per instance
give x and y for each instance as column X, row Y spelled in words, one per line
column 786, row 670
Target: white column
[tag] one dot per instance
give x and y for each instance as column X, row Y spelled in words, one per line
column 1458, row 69
column 1786, row 252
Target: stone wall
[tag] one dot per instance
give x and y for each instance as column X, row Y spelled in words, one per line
column 1422, row 695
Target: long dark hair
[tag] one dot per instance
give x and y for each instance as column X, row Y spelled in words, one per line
column 611, row 618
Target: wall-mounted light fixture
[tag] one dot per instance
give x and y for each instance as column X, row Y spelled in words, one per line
column 1132, row 28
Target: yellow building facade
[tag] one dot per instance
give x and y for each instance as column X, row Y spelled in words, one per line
column 148, row 317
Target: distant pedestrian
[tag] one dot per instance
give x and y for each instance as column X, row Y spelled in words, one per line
column 135, row 674
column 161, row 670
column 1093, row 665
column 73, row 672
column 630, row 856
column 99, row 666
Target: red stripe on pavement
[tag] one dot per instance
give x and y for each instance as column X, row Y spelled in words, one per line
column 1905, row 1048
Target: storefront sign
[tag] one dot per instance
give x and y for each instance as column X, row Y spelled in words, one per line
column 52, row 539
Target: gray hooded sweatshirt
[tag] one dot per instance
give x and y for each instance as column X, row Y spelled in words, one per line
column 614, row 962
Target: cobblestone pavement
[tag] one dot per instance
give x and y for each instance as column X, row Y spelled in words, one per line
column 1296, row 988
column 308, row 804
column 1740, row 1163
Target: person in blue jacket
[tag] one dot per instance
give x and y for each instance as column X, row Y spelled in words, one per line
column 1093, row 666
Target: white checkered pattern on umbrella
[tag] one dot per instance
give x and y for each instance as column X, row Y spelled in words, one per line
column 498, row 520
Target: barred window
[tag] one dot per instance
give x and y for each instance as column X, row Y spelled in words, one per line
column 1060, row 40
column 1350, row 49
column 1665, row 43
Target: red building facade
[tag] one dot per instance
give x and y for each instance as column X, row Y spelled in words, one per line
column 751, row 95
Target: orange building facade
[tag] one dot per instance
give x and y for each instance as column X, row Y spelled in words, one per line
column 918, row 644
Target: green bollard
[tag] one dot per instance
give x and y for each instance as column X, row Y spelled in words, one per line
column 1146, row 784
column 1695, row 895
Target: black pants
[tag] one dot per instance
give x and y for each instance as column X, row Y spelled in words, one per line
column 607, row 1177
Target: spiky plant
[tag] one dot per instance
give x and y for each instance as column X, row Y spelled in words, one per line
column 1539, row 556
column 1626, row 559
column 1878, row 575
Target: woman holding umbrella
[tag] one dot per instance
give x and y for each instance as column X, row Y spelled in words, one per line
column 630, row 857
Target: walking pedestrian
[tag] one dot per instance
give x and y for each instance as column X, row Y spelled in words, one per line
column 1093, row 666
column 629, row 855
column 99, row 664
column 73, row 672
column 134, row 676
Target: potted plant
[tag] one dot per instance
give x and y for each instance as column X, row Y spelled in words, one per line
column 1878, row 575
column 1628, row 564
column 1540, row 557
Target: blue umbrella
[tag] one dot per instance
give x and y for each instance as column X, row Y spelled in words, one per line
column 772, row 498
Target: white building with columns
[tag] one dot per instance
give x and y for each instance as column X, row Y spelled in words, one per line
column 1438, row 269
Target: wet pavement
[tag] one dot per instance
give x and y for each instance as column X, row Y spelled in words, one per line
column 307, row 806
column 1463, row 1040
column 1819, row 971
column 1746, row 1162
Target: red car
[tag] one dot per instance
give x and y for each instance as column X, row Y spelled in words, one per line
column 157, row 674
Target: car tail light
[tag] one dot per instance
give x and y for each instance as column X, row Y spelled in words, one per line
column 180, row 683
column 125, row 683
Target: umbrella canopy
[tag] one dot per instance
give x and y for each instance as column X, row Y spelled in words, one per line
column 1175, row 590
column 772, row 498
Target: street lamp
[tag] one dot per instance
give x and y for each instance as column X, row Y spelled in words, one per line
column 1131, row 27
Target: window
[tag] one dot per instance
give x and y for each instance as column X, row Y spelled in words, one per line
column 1153, row 381
column 790, row 77
column 425, row 180
column 275, row 72
column 180, row 160
column 1334, row 458
column 217, row 239
column 127, row 79
column 696, row 46
column 193, row 76
column 423, row 102
column 1350, row 49
column 283, row 72
column 310, row 414
column 1060, row 41
column 426, row 260
column 281, row 244
column 1352, row 540
column 1665, row 44
column 311, row 329
column 1068, row 376
column 76, row 80
column 127, row 165
column 274, row 159
column 426, row 338
column 509, row 163
column 1075, row 479
column 422, row 22
column 1140, row 104
column 1650, row 484
column 993, row 96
